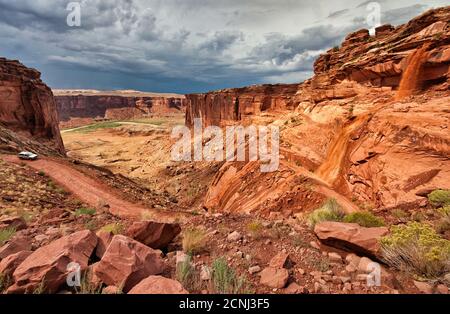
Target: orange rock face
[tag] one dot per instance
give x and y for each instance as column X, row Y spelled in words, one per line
column 370, row 127
column 218, row 108
column 27, row 105
column 381, row 60
column 115, row 105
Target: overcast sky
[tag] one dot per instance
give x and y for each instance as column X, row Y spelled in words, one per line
column 183, row 45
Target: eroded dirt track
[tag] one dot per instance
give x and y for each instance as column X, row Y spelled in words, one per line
column 88, row 189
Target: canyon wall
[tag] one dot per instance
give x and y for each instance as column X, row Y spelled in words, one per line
column 27, row 108
column 362, row 62
column 115, row 105
column 220, row 107
column 370, row 128
column 380, row 60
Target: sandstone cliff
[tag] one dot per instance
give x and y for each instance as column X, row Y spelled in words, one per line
column 27, row 109
column 362, row 62
column 115, row 105
column 348, row 133
column 218, row 107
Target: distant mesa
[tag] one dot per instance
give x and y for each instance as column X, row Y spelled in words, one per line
column 79, row 105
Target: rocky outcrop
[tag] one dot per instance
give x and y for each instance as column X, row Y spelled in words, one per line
column 348, row 131
column 9, row 264
column 126, row 262
column 27, row 108
column 362, row 62
column 352, row 237
column 46, row 268
column 154, row 234
column 15, row 245
column 115, row 105
column 380, row 61
column 220, row 107
column 104, row 239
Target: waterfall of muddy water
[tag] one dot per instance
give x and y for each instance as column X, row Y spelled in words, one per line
column 331, row 167
column 410, row 81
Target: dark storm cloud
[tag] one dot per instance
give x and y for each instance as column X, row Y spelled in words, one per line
column 337, row 13
column 281, row 48
column 51, row 15
column 183, row 45
column 221, row 41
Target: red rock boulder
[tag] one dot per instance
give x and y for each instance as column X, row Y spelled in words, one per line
column 47, row 266
column 15, row 245
column 104, row 239
column 158, row 285
column 351, row 237
column 126, row 262
column 276, row 278
column 9, row 264
column 154, row 234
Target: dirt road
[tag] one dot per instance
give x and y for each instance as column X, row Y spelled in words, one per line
column 88, row 189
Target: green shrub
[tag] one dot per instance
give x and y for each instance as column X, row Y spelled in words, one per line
column 5, row 282
column 443, row 224
column 114, row 228
column 399, row 213
column 255, row 228
column 6, row 234
column 194, row 240
column 329, row 211
column 365, row 219
column 417, row 247
column 439, row 198
column 85, row 211
column 86, row 285
column 187, row 274
column 40, row 289
column 224, row 278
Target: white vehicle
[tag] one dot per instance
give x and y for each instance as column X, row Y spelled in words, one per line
column 28, row 156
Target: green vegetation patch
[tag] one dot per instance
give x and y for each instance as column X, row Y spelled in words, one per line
column 329, row 211
column 83, row 211
column 114, row 228
column 417, row 247
column 439, row 198
column 6, row 234
column 97, row 126
column 194, row 240
column 225, row 280
column 365, row 219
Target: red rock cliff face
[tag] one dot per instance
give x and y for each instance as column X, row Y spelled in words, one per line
column 381, row 60
column 369, row 129
column 115, row 106
column 362, row 62
column 218, row 107
column 27, row 106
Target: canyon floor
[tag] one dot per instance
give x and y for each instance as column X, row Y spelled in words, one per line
column 119, row 172
column 153, row 187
